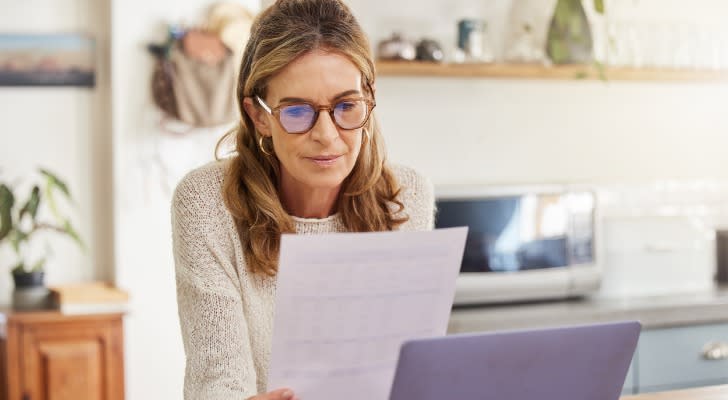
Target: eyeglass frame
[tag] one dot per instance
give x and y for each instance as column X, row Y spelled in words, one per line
column 275, row 111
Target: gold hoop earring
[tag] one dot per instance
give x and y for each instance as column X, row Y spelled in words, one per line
column 262, row 148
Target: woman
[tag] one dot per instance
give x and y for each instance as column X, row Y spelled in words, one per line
column 309, row 159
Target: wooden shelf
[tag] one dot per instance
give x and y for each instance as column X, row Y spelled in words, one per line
column 538, row 71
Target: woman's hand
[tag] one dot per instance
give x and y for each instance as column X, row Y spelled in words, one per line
column 278, row 394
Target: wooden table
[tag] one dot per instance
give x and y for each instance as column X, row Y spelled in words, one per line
column 702, row 393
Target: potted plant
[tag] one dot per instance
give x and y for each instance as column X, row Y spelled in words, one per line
column 20, row 223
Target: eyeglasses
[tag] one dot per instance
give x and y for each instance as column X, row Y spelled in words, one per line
column 300, row 117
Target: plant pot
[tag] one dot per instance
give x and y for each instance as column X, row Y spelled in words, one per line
column 30, row 292
column 30, row 279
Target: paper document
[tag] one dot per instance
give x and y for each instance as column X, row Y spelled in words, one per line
column 346, row 302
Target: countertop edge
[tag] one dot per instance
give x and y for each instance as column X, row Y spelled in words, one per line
column 653, row 312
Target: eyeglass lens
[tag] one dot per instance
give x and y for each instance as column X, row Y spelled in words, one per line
column 348, row 114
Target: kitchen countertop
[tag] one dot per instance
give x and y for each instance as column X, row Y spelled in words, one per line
column 653, row 312
column 702, row 393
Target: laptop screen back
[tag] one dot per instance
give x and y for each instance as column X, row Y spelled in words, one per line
column 568, row 363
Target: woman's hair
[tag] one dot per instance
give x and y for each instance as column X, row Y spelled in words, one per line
column 368, row 199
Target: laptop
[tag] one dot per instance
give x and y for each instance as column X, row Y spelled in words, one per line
column 588, row 362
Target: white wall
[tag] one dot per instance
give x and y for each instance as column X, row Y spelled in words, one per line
column 67, row 131
column 147, row 164
column 526, row 131
column 506, row 131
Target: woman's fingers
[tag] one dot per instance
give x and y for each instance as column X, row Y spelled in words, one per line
column 278, row 394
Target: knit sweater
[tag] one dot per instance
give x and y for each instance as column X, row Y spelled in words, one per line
column 225, row 311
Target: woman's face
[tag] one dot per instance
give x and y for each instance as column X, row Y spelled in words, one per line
column 324, row 156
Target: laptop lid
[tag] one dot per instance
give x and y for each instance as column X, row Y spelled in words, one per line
column 566, row 363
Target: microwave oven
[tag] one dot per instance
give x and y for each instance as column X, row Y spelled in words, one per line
column 523, row 243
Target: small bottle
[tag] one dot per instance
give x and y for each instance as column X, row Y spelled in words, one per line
column 473, row 41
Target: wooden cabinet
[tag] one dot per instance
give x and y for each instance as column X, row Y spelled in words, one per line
column 50, row 356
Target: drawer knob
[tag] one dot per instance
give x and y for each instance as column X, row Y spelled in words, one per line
column 715, row 351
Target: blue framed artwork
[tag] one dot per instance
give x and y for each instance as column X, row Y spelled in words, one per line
column 47, row 60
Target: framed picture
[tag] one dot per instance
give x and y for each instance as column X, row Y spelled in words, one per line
column 47, row 60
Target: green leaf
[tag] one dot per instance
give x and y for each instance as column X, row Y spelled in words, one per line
column 599, row 6
column 38, row 266
column 56, row 182
column 7, row 200
column 20, row 268
column 51, row 200
column 31, row 206
column 601, row 70
column 16, row 238
column 68, row 228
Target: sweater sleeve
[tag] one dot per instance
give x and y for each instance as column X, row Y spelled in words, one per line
column 417, row 195
column 219, row 363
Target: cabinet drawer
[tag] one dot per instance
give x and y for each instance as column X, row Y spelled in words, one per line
column 674, row 356
column 629, row 382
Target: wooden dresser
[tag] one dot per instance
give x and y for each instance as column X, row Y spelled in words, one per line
column 46, row 355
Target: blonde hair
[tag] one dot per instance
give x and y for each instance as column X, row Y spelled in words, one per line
column 368, row 199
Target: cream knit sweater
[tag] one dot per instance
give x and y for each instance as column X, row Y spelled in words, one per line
column 225, row 312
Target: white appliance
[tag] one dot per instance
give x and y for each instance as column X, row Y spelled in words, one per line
column 524, row 243
column 656, row 255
